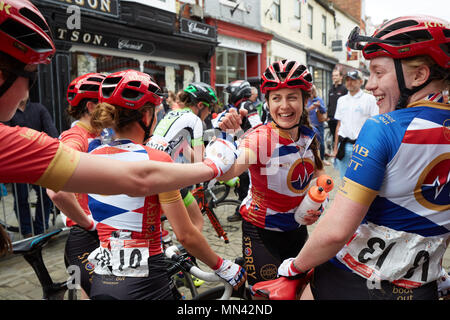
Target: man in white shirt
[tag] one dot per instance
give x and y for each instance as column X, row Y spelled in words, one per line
column 352, row 111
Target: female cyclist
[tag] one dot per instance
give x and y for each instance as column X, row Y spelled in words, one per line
column 129, row 263
column 198, row 99
column 282, row 158
column 28, row 156
column 388, row 227
column 82, row 96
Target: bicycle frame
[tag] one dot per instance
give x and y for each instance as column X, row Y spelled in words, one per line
column 206, row 207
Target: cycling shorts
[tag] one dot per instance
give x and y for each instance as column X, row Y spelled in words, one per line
column 333, row 283
column 156, row 286
column 264, row 250
column 80, row 243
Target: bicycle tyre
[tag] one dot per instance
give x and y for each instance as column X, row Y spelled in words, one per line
column 221, row 191
column 230, row 250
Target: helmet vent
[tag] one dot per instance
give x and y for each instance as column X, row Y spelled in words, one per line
column 396, row 26
column 135, row 84
column 33, row 17
column 25, row 35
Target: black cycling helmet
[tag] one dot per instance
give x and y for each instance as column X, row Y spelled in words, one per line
column 239, row 91
column 202, row 92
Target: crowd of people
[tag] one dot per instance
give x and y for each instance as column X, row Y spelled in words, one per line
column 387, row 228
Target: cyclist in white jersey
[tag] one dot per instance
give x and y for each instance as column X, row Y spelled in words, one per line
column 388, row 227
column 198, row 99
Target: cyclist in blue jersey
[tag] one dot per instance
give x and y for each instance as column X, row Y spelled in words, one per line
column 387, row 230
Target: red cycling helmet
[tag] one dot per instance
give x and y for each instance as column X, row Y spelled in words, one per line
column 286, row 74
column 406, row 37
column 24, row 33
column 84, row 87
column 130, row 89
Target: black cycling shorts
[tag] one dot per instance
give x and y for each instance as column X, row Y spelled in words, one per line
column 156, row 286
column 333, row 283
column 80, row 243
column 264, row 250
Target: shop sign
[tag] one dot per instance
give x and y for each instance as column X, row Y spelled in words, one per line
column 336, row 45
column 104, row 41
column 197, row 29
column 103, row 7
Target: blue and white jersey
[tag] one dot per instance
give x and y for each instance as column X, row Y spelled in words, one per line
column 400, row 168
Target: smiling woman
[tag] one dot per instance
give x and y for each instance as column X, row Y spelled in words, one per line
column 282, row 158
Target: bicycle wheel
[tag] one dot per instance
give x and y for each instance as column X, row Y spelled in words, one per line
column 328, row 141
column 220, row 191
column 233, row 248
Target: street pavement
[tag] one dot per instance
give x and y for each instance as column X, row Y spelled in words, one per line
column 19, row 282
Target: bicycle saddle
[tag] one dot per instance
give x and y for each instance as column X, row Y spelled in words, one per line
column 281, row 288
column 29, row 244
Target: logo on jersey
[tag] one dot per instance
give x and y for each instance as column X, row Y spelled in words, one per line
column 300, row 175
column 433, row 186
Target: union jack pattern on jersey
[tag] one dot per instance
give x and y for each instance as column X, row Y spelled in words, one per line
column 139, row 215
column 280, row 177
column 404, row 175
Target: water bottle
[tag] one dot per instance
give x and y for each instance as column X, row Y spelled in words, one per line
column 312, row 201
column 326, row 182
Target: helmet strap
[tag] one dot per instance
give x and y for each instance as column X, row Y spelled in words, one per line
column 7, row 84
column 405, row 92
column 148, row 128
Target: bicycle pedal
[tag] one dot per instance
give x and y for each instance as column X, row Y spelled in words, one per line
column 197, row 282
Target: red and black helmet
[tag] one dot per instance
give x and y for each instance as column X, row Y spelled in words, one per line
column 286, row 74
column 406, row 37
column 24, row 33
column 84, row 87
column 130, row 89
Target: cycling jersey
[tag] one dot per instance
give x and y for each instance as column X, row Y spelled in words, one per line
column 280, row 177
column 129, row 228
column 177, row 120
column 78, row 137
column 403, row 174
column 29, row 156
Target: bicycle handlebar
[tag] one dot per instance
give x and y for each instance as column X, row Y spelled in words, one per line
column 171, row 253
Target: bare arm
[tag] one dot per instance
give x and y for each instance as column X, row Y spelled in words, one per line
column 331, row 233
column 187, row 234
column 95, row 174
column 68, row 204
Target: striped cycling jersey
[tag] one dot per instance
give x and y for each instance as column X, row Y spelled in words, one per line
column 80, row 137
column 280, row 177
column 400, row 168
column 29, row 156
column 139, row 215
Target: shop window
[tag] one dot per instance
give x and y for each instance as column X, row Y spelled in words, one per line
column 230, row 66
column 173, row 76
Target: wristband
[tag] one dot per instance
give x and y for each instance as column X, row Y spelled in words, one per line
column 218, row 264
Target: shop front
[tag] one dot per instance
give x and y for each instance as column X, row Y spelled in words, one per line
column 321, row 68
column 241, row 54
column 128, row 36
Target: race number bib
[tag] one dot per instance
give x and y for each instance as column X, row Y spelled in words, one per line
column 407, row 260
column 158, row 143
column 128, row 258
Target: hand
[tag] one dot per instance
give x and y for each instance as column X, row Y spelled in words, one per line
column 220, row 155
column 232, row 121
column 288, row 269
column 311, row 216
column 93, row 225
column 232, row 273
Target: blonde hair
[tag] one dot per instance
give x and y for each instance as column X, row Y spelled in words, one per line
column 107, row 115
